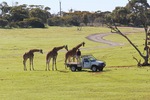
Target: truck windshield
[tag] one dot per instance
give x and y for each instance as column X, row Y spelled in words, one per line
column 92, row 59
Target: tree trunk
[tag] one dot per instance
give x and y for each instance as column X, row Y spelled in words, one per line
column 145, row 62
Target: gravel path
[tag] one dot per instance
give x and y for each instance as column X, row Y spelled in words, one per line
column 100, row 38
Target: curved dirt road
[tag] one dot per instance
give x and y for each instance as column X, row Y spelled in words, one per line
column 99, row 37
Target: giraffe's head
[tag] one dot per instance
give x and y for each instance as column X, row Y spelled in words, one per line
column 41, row 51
column 83, row 44
column 66, row 47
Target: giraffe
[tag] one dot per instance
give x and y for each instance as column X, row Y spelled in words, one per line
column 72, row 52
column 30, row 55
column 53, row 54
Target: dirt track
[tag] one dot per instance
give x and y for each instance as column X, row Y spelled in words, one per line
column 100, row 38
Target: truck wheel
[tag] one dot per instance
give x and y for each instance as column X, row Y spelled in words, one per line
column 73, row 68
column 94, row 68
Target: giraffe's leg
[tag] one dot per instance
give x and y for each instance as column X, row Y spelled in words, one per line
column 77, row 58
column 65, row 63
column 32, row 64
column 66, row 60
column 73, row 58
column 48, row 64
column 47, row 61
column 24, row 63
column 69, row 59
column 55, row 63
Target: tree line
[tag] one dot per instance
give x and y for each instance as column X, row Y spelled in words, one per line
column 37, row 16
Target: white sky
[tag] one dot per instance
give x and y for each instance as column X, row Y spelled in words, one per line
column 83, row 5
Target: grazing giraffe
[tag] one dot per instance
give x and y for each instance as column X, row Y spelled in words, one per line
column 53, row 54
column 72, row 52
column 30, row 55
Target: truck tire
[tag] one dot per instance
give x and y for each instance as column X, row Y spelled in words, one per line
column 94, row 68
column 73, row 68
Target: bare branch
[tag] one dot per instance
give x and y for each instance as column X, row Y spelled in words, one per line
column 139, row 62
column 115, row 29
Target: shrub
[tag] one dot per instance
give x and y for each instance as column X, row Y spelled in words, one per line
column 34, row 22
column 22, row 24
column 3, row 23
column 55, row 21
column 13, row 25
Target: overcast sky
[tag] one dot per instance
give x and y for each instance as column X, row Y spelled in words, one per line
column 83, row 5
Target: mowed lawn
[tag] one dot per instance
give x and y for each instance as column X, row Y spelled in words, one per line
column 120, row 80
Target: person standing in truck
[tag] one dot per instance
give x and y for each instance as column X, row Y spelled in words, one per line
column 78, row 55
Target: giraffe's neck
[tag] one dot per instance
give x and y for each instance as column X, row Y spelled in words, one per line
column 34, row 50
column 78, row 46
column 58, row 48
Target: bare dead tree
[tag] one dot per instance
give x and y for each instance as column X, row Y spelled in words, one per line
column 145, row 57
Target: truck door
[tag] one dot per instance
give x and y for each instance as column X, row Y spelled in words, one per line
column 86, row 63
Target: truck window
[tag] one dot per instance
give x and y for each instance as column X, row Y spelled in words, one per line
column 86, row 60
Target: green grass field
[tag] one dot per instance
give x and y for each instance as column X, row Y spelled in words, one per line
column 120, row 80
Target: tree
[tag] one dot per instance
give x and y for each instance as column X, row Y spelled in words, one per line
column 19, row 13
column 4, row 8
column 3, row 23
column 55, row 21
column 120, row 15
column 22, row 24
column 85, row 19
column 33, row 22
column 39, row 13
column 75, row 20
column 140, row 10
column 101, row 17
